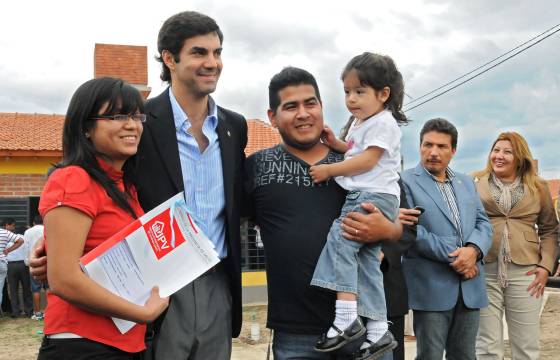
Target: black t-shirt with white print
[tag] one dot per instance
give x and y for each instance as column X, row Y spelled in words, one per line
column 294, row 216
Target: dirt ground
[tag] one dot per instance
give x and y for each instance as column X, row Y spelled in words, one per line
column 20, row 338
column 252, row 314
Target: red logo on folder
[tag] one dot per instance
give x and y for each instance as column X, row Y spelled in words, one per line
column 159, row 234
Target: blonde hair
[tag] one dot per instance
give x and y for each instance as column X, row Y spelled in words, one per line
column 523, row 160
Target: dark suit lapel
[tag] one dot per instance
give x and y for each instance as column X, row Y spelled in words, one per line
column 426, row 182
column 225, row 133
column 162, row 128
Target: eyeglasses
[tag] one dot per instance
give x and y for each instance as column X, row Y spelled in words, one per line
column 122, row 117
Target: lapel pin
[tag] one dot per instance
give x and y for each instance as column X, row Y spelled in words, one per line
column 228, row 134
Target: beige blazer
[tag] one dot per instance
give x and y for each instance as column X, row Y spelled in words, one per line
column 528, row 245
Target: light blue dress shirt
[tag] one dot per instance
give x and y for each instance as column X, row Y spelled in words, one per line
column 202, row 174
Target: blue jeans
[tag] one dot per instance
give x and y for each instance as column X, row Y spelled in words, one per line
column 453, row 330
column 287, row 346
column 353, row 267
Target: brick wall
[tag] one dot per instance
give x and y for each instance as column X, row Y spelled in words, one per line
column 14, row 185
column 127, row 62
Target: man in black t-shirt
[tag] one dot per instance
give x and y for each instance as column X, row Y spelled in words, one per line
column 295, row 215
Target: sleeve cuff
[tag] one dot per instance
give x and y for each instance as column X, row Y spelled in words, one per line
column 478, row 251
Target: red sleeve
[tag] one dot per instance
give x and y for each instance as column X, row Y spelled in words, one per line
column 70, row 186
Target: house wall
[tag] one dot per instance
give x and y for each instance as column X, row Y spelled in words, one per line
column 27, row 164
column 24, row 176
column 21, row 185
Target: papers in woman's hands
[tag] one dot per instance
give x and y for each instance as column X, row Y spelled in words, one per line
column 164, row 247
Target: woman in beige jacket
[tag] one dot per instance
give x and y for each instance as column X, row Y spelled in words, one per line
column 523, row 252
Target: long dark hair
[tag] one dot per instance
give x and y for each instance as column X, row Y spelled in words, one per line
column 378, row 72
column 78, row 150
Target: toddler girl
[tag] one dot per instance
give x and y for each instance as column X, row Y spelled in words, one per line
column 374, row 94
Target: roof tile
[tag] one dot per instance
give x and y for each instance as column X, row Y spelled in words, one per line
column 34, row 132
column 260, row 136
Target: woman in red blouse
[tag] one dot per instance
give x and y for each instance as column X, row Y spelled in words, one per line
column 86, row 200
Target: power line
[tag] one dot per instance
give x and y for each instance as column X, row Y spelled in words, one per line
column 482, row 72
column 481, row 66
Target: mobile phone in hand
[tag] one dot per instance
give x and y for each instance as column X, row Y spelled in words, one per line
column 419, row 208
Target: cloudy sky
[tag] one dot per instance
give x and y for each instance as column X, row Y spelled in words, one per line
column 47, row 48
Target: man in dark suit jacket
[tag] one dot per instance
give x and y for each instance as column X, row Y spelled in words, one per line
column 191, row 144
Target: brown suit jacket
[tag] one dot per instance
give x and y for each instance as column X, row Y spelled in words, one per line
column 528, row 245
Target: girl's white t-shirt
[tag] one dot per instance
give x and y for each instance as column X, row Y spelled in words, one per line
column 380, row 130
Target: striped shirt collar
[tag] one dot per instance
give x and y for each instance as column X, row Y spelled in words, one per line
column 446, row 190
column 180, row 117
column 449, row 175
